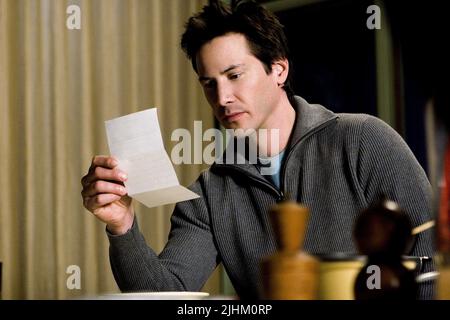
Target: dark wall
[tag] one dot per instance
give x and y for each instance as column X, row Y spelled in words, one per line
column 420, row 31
column 333, row 55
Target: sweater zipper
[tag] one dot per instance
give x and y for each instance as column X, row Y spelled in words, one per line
column 283, row 167
column 279, row 193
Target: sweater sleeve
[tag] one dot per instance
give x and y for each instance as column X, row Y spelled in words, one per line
column 386, row 166
column 185, row 263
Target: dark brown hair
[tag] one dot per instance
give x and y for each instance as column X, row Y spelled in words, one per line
column 261, row 28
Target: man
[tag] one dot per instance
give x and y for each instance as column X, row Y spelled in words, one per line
column 335, row 164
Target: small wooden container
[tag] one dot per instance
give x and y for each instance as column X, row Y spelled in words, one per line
column 289, row 273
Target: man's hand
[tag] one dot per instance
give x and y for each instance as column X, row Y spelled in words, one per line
column 105, row 196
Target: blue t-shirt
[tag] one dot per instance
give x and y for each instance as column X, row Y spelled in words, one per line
column 270, row 167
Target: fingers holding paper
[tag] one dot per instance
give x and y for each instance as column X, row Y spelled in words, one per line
column 105, row 195
column 103, row 177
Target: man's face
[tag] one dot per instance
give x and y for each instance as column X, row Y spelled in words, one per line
column 236, row 84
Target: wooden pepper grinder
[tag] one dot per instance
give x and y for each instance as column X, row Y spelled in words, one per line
column 383, row 233
column 289, row 273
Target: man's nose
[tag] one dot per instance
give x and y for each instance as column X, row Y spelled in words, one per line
column 224, row 94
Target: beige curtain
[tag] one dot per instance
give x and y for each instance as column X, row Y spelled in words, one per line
column 57, row 87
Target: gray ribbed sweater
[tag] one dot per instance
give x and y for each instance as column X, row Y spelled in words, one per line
column 336, row 164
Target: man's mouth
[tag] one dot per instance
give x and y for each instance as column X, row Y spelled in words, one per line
column 232, row 117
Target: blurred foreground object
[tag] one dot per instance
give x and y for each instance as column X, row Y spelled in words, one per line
column 289, row 273
column 383, row 232
column 443, row 230
column 438, row 132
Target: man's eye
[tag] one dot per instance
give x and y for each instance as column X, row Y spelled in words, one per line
column 209, row 84
column 235, row 76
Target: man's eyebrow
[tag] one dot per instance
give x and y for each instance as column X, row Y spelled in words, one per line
column 233, row 66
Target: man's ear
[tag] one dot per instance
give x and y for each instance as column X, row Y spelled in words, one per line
column 280, row 69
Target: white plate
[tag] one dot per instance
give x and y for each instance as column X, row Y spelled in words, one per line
column 164, row 295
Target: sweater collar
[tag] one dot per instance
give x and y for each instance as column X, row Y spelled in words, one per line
column 307, row 118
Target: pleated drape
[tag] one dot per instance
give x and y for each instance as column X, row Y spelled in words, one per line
column 57, row 87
